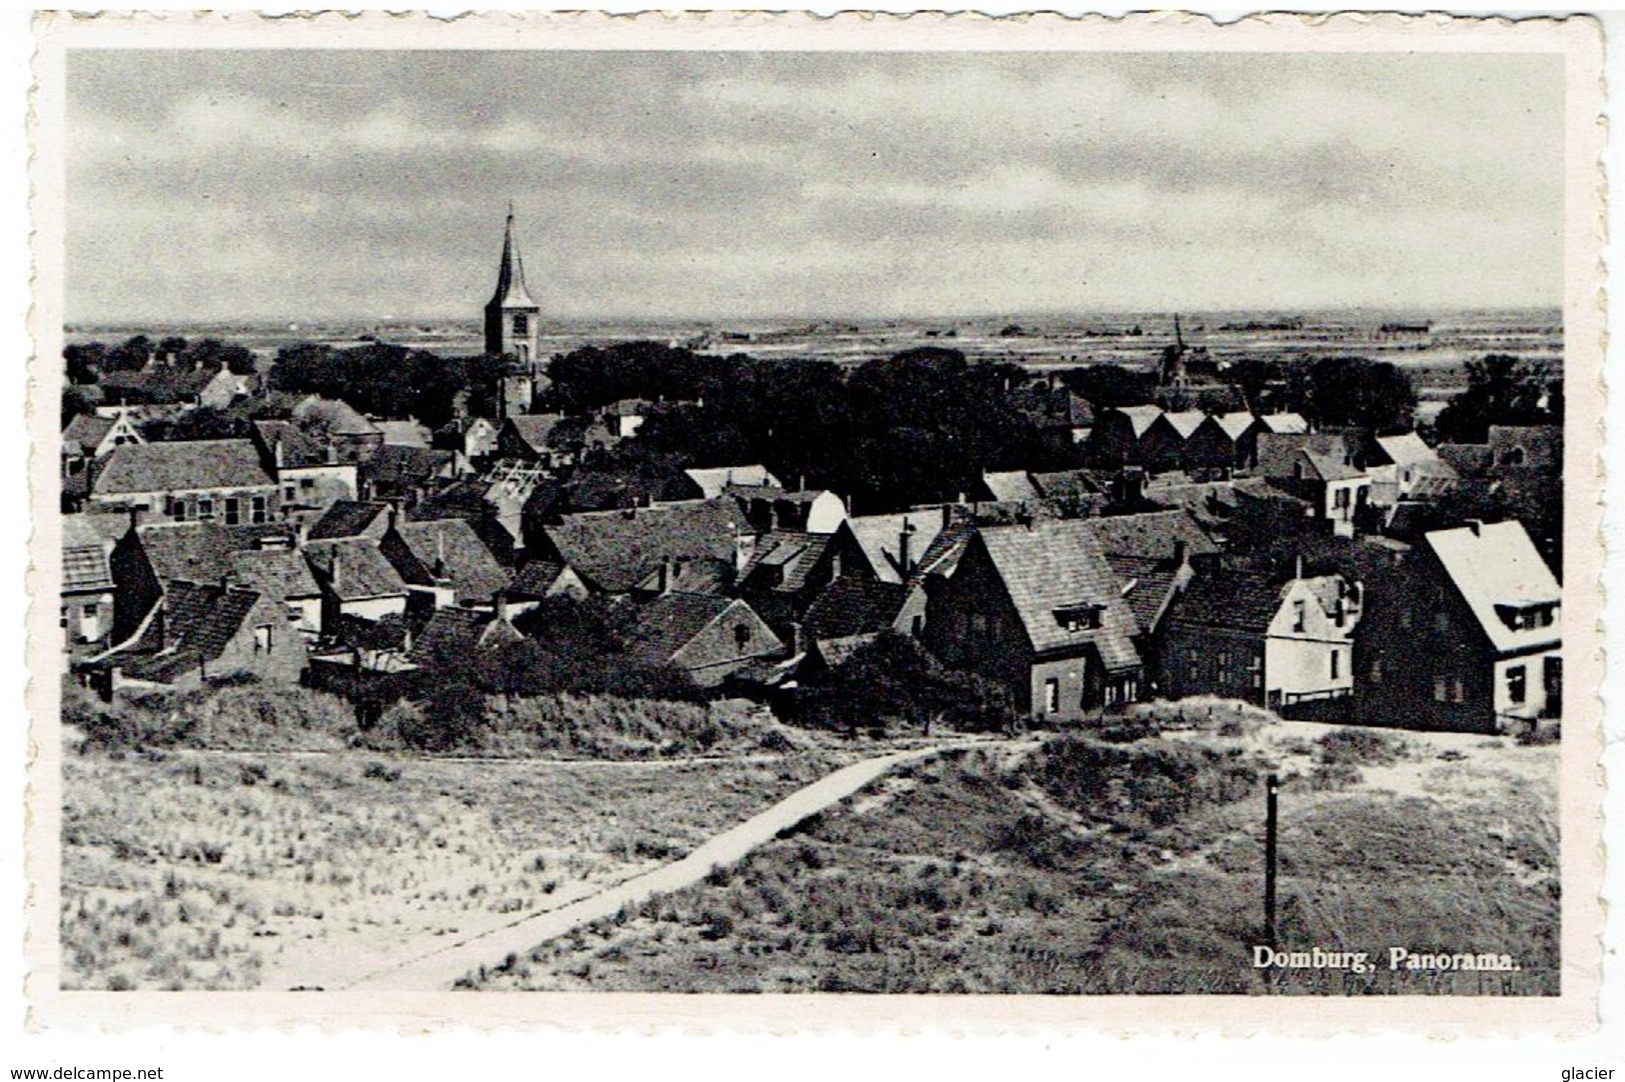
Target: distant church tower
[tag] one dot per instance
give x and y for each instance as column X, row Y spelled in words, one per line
column 511, row 318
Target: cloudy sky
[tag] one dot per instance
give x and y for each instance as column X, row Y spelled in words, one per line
column 252, row 185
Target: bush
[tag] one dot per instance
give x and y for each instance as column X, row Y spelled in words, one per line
column 1361, row 747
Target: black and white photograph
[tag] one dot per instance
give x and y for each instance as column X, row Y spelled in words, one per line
column 1069, row 521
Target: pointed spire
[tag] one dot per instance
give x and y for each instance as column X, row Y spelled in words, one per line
column 511, row 292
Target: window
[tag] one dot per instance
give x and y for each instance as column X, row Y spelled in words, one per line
column 234, row 514
column 1336, row 659
column 1052, row 696
column 262, row 639
column 257, row 512
column 1517, row 684
column 1300, row 612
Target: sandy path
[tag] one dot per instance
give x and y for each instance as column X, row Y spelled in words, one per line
column 440, row 968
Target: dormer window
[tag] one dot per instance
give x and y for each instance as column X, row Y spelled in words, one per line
column 1085, row 617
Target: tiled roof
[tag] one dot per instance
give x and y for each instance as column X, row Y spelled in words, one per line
column 535, row 578
column 1152, row 536
column 1232, row 599
column 202, row 551
column 880, row 538
column 714, row 479
column 1056, row 565
column 363, row 571
column 851, row 606
column 180, row 466
column 793, row 552
column 535, row 429
column 671, row 621
column 446, row 551
column 298, row 449
column 335, row 415
column 1009, row 486
column 395, row 464
column 347, row 518
column 454, row 634
column 1497, row 565
column 617, row 550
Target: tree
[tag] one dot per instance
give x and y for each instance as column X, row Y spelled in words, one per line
column 1501, row 390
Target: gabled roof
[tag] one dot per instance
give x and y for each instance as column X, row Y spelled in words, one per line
column 535, row 430
column 347, row 518
column 1154, row 535
column 397, row 464
column 851, row 606
column 1185, row 422
column 1284, row 422
column 456, row 634
column 1140, row 418
column 444, row 552
column 791, row 553
column 880, row 538
column 1009, row 486
column 204, row 551
column 298, row 449
column 335, row 415
column 672, row 621
column 181, row 466
column 713, row 480
column 1054, row 566
column 617, row 550
column 1493, row 565
column 362, row 571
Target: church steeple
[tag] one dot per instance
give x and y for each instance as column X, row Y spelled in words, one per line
column 511, row 315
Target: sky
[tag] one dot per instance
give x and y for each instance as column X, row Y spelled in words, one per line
column 255, row 185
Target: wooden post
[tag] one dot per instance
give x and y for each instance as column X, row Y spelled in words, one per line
column 1271, row 790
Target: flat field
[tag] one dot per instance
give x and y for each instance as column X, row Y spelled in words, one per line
column 188, row 869
column 1135, row 866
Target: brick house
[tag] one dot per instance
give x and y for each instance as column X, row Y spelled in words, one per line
column 1463, row 633
column 1038, row 611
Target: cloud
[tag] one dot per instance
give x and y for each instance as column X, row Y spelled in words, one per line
column 334, row 183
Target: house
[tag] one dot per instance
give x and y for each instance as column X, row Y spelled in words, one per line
column 471, row 439
column 850, row 613
column 1163, row 441
column 785, row 571
column 1221, row 443
column 455, row 636
column 356, row 580
column 641, row 550
column 202, row 631
column 351, row 519
column 706, row 636
column 1115, row 440
column 205, row 480
column 1404, row 467
column 772, row 508
column 336, row 423
column 88, row 590
column 147, row 559
column 1321, row 469
column 714, row 480
column 443, row 563
column 1243, row 634
column 404, row 474
column 307, row 472
column 537, row 580
column 1038, row 611
column 1464, row 634
column 92, row 435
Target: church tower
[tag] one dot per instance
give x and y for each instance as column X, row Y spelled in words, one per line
column 511, row 316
